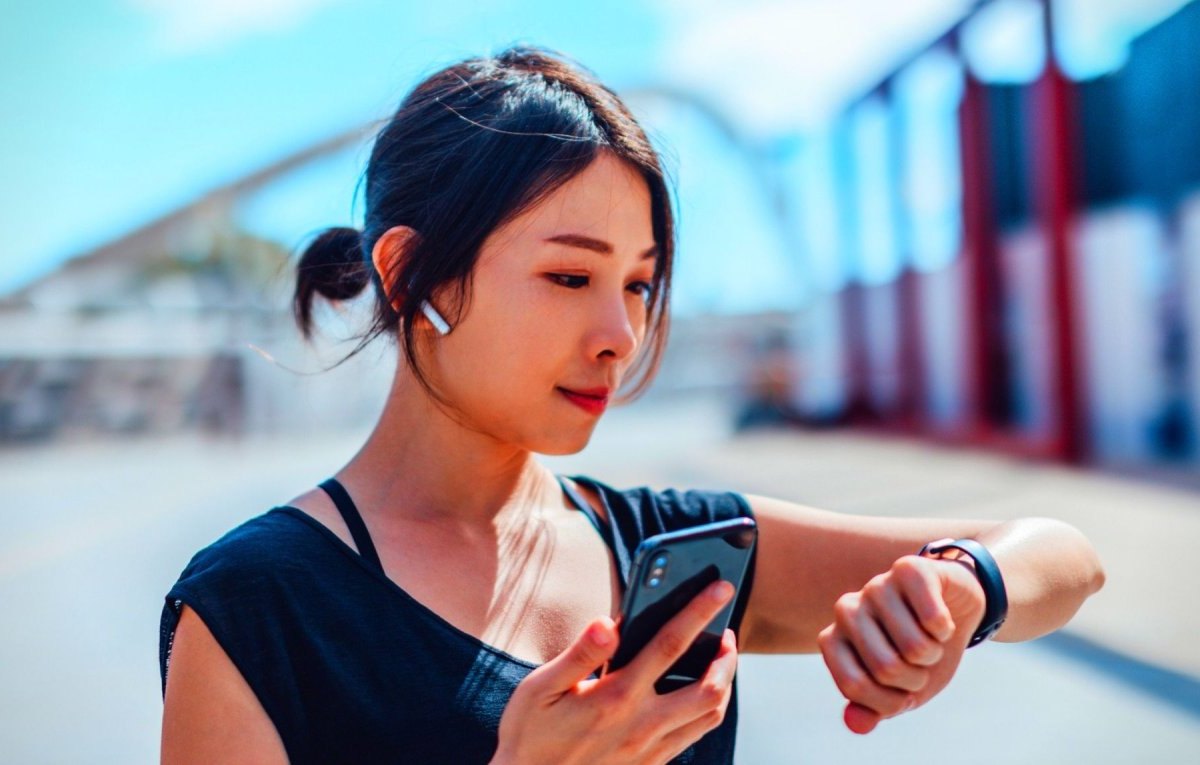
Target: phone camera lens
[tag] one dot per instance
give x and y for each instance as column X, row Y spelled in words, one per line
column 658, row 569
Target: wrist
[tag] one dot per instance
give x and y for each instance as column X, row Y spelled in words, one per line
column 986, row 573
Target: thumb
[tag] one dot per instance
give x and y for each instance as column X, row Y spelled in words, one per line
column 860, row 719
column 594, row 646
column 963, row 598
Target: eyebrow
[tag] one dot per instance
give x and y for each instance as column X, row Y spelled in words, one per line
column 595, row 245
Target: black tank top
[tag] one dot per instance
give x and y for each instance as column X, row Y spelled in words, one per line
column 350, row 668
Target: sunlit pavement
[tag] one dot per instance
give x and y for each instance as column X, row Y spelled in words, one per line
column 94, row 534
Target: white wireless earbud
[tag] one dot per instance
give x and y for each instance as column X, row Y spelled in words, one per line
column 435, row 318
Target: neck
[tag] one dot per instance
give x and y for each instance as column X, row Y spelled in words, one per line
column 421, row 464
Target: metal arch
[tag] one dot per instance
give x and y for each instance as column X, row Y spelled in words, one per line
column 754, row 155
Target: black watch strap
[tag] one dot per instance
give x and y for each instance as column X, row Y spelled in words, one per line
column 988, row 573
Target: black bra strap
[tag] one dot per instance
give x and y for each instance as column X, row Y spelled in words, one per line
column 358, row 530
column 366, row 548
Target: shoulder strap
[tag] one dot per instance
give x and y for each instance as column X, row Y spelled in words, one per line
column 358, row 529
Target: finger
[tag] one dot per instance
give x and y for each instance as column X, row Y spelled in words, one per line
column 675, row 742
column 859, row 719
column 915, row 645
column 594, row 646
column 677, row 635
column 705, row 716
column 724, row 664
column 877, row 653
column 682, row 717
column 922, row 590
column 710, row 691
column 854, row 681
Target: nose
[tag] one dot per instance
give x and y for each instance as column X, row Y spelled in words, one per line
column 616, row 332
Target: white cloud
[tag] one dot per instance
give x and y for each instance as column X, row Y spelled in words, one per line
column 184, row 27
column 792, row 63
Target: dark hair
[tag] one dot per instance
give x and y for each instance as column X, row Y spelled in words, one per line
column 470, row 148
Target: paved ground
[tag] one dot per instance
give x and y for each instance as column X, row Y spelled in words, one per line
column 94, row 534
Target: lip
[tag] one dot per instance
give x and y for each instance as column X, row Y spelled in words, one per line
column 592, row 392
column 592, row 400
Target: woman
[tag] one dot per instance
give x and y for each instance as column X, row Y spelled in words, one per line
column 446, row 598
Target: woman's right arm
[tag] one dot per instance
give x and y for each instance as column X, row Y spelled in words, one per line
column 210, row 714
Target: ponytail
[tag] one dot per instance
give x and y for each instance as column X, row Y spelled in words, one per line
column 333, row 266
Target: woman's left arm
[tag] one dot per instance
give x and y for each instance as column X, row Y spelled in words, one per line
column 891, row 626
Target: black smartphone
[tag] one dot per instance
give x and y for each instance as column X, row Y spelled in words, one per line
column 671, row 569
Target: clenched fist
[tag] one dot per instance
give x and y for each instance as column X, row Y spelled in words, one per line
column 896, row 643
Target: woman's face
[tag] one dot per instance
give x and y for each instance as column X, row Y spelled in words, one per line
column 557, row 308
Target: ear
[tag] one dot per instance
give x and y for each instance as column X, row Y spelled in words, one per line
column 388, row 255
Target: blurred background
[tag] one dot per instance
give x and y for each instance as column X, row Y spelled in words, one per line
column 936, row 258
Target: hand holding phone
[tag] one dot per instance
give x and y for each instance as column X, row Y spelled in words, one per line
column 560, row 713
column 671, row 569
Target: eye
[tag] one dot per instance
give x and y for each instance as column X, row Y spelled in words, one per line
column 641, row 289
column 570, row 281
column 574, row 281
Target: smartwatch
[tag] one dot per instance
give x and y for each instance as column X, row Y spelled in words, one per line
column 988, row 574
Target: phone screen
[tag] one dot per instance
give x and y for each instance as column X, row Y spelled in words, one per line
column 669, row 570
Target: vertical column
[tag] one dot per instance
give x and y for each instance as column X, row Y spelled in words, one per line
column 911, row 388
column 858, row 400
column 979, row 252
column 1054, row 176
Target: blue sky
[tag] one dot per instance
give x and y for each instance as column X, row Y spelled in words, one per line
column 117, row 111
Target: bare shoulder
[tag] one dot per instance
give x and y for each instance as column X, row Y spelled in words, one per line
column 592, row 496
column 210, row 713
